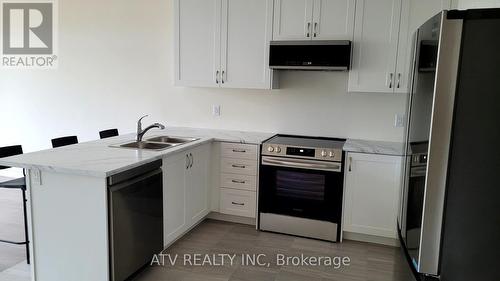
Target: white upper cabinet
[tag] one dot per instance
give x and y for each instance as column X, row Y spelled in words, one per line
column 246, row 33
column 333, row 19
column 375, row 46
column 197, row 49
column 223, row 43
column 313, row 19
column 292, row 19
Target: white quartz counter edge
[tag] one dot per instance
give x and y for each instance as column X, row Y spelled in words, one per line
column 98, row 159
column 93, row 173
column 374, row 147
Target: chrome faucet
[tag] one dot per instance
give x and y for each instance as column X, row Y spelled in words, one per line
column 141, row 132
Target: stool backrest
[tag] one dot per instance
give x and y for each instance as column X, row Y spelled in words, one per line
column 108, row 133
column 58, row 142
column 7, row 151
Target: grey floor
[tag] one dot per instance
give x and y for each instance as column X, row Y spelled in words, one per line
column 368, row 262
column 11, row 227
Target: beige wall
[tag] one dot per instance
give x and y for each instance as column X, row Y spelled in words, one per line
column 116, row 64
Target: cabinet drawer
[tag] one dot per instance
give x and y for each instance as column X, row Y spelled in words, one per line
column 239, row 151
column 239, row 166
column 237, row 202
column 236, row 181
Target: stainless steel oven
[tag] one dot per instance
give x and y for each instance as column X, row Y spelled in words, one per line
column 301, row 186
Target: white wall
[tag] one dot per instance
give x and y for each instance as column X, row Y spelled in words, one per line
column 116, row 64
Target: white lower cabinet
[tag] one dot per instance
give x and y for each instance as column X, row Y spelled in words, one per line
column 238, row 179
column 237, row 202
column 372, row 187
column 185, row 191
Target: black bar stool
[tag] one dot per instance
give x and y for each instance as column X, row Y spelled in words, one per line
column 19, row 183
column 108, row 133
column 58, row 142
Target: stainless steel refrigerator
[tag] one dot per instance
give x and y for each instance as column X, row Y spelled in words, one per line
column 449, row 223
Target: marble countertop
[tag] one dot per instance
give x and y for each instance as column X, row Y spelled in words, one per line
column 374, row 147
column 98, row 159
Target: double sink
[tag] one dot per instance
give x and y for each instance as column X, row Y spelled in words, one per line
column 157, row 143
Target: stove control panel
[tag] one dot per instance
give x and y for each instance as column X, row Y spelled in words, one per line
column 327, row 154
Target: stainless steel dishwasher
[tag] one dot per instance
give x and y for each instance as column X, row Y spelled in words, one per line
column 135, row 204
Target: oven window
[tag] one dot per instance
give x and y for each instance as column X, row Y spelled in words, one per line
column 299, row 185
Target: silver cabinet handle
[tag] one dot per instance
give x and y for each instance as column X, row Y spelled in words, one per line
column 350, row 164
column 391, row 76
column 399, row 81
column 301, row 164
column 192, row 160
column 238, row 204
column 238, row 181
column 239, row 150
column 222, row 80
column 239, row 166
column 187, row 161
column 308, row 32
column 217, row 77
column 315, row 29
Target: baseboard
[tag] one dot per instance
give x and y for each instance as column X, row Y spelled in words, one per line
column 371, row 239
column 231, row 218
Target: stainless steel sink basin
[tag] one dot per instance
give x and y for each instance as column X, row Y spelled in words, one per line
column 156, row 143
column 147, row 145
column 171, row 140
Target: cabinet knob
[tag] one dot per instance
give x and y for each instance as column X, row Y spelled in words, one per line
column 308, row 30
column 217, row 77
column 399, row 81
column 391, row 77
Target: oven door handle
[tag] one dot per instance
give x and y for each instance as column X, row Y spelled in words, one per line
column 301, row 164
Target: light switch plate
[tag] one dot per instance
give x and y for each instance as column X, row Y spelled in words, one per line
column 36, row 176
column 399, row 120
column 216, row 110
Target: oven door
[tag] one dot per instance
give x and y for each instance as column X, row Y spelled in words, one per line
column 301, row 188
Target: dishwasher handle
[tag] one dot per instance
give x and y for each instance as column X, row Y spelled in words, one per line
column 134, row 173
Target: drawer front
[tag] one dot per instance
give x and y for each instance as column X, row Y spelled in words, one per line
column 239, row 151
column 239, row 166
column 243, row 182
column 238, row 202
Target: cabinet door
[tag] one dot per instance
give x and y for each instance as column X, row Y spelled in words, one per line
column 372, row 185
column 375, row 45
column 413, row 14
column 333, row 19
column 292, row 19
column 174, row 197
column 246, row 32
column 197, row 179
column 197, row 48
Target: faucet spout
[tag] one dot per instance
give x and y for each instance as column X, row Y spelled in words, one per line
column 141, row 132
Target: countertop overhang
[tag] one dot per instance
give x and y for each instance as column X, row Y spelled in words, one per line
column 98, row 159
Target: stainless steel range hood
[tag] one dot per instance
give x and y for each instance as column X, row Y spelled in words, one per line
column 331, row 55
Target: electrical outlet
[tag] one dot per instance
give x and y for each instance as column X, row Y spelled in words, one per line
column 399, row 120
column 216, row 110
column 36, row 176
